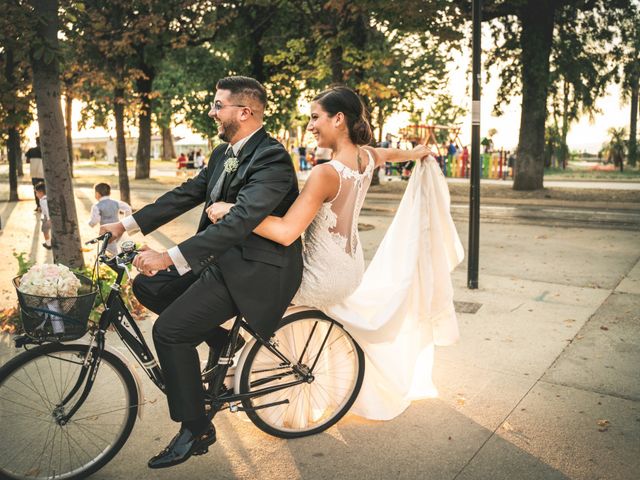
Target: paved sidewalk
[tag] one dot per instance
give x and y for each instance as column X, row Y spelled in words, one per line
column 543, row 384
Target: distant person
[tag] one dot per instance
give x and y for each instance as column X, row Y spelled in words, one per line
column 190, row 159
column 36, row 169
column 182, row 162
column 465, row 161
column 386, row 143
column 511, row 163
column 198, row 160
column 107, row 210
column 41, row 194
column 487, row 143
column 323, row 155
column 302, row 153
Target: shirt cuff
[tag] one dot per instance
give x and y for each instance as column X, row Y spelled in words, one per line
column 130, row 225
column 178, row 260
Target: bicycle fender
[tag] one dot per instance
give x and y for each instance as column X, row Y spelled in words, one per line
column 132, row 369
column 238, row 370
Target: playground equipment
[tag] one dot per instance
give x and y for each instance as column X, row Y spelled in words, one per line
column 494, row 164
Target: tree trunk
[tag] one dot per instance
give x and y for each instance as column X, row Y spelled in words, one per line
column 380, row 125
column 257, row 52
column 143, row 156
column 563, row 151
column 13, row 150
column 65, row 235
column 121, row 146
column 536, row 19
column 19, row 166
column 336, row 64
column 168, row 150
column 68, row 106
column 13, row 136
column 633, row 130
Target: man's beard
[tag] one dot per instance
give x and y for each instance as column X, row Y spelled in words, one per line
column 230, row 129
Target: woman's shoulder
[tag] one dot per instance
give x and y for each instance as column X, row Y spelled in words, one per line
column 324, row 180
column 325, row 171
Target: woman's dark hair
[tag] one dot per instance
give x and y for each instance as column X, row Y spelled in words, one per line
column 244, row 87
column 343, row 99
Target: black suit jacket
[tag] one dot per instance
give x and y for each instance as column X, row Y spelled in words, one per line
column 261, row 275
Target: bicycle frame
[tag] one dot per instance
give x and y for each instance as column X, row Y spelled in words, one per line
column 116, row 314
column 217, row 396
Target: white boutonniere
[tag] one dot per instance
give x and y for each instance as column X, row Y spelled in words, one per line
column 230, row 164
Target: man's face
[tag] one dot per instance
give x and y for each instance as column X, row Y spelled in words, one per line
column 226, row 115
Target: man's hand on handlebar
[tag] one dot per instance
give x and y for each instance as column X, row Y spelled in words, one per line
column 149, row 262
column 116, row 229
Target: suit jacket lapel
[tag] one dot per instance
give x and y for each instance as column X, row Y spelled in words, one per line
column 218, row 166
column 245, row 154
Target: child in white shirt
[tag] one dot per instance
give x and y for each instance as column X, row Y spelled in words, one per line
column 107, row 210
column 41, row 193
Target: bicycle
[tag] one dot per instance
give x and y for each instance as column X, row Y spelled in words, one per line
column 66, row 409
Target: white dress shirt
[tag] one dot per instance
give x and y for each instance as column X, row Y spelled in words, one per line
column 181, row 264
column 95, row 212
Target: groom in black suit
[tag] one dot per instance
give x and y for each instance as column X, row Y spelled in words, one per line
column 224, row 269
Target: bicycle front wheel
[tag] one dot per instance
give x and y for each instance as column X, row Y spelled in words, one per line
column 316, row 348
column 34, row 444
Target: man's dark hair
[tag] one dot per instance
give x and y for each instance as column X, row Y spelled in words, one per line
column 244, row 87
column 40, row 187
column 104, row 189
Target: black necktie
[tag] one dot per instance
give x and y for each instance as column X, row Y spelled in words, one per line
column 217, row 188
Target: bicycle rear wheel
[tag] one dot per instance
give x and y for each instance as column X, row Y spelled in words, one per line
column 33, row 445
column 315, row 344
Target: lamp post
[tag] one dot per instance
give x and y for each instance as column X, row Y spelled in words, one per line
column 474, row 191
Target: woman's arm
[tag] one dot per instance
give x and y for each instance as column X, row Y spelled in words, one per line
column 395, row 155
column 322, row 185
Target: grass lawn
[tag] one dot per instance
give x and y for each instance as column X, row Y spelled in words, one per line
column 584, row 173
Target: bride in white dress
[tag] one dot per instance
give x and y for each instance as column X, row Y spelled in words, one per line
column 387, row 328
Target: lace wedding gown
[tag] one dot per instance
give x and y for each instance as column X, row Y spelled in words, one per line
column 403, row 304
column 333, row 258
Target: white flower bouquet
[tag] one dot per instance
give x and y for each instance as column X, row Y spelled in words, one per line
column 49, row 280
column 49, row 297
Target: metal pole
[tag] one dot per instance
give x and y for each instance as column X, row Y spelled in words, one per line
column 474, row 192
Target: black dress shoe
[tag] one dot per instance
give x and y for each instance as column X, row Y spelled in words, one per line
column 183, row 445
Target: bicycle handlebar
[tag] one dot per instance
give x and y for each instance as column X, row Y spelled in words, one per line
column 120, row 260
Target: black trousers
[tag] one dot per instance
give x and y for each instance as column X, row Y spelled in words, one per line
column 191, row 310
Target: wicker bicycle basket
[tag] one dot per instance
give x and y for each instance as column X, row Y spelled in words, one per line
column 57, row 319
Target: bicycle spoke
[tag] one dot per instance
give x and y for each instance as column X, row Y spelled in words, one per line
column 44, row 387
column 40, row 447
column 105, row 413
column 325, row 356
column 44, row 401
column 54, row 383
column 25, row 449
column 44, row 412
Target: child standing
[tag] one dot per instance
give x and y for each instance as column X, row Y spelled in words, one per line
column 41, row 195
column 107, row 210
